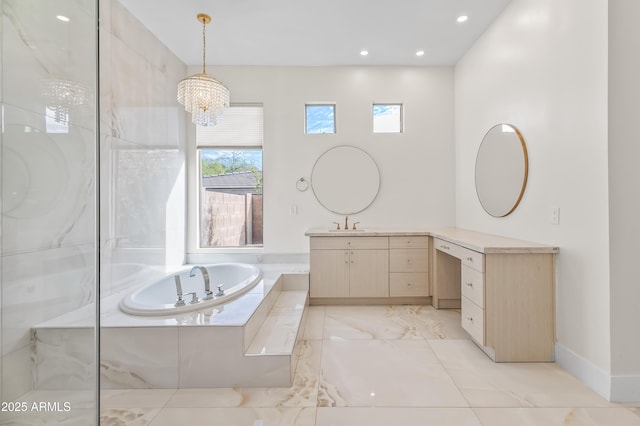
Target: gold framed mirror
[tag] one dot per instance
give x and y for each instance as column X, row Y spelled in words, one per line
column 502, row 169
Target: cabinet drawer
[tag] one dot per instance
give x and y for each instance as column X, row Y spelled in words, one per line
column 472, row 259
column 473, row 320
column 358, row 243
column 446, row 247
column 408, row 260
column 473, row 285
column 408, row 284
column 409, row 242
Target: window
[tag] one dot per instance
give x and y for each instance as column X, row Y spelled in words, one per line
column 230, row 179
column 387, row 118
column 320, row 118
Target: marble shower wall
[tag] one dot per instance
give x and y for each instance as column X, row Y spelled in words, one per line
column 143, row 136
column 48, row 166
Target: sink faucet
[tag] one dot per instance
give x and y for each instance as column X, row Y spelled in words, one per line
column 346, row 223
column 208, row 294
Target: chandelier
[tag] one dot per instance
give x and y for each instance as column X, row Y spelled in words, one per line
column 203, row 96
column 64, row 96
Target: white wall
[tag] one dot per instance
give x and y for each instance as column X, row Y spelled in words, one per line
column 624, row 197
column 542, row 66
column 417, row 166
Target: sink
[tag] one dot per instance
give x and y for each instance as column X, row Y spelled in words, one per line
column 346, row 231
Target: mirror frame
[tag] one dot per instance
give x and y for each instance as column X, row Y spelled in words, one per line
column 378, row 181
column 524, row 177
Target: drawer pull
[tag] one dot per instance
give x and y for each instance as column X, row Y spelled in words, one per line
column 409, row 261
column 409, row 242
column 470, row 259
column 470, row 285
column 444, row 247
column 470, row 319
column 408, row 284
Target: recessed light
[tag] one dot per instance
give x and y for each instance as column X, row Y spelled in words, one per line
column 364, row 52
column 62, row 18
column 462, row 18
column 420, row 53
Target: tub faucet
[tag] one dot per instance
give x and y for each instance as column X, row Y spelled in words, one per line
column 220, row 291
column 208, row 294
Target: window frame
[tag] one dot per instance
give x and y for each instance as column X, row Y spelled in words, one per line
column 401, row 118
column 320, row 104
column 194, row 185
column 199, row 150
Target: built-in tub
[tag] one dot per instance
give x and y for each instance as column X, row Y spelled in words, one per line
column 159, row 297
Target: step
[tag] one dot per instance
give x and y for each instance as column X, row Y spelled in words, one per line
column 277, row 338
column 279, row 331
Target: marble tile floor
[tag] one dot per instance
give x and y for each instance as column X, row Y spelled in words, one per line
column 382, row 365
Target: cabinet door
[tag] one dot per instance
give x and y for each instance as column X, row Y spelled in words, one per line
column 369, row 273
column 329, row 273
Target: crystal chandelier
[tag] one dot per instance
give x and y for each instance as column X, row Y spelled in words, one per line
column 65, row 96
column 203, row 96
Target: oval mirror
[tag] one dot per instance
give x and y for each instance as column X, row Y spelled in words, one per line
column 502, row 166
column 345, row 180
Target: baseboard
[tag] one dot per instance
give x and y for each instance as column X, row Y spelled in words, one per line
column 584, row 370
column 625, row 388
column 615, row 388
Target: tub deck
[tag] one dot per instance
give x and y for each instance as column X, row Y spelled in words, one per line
column 249, row 341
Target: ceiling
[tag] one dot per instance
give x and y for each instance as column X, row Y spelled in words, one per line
column 305, row 33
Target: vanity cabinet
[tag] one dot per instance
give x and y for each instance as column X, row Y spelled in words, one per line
column 505, row 292
column 348, row 267
column 503, row 287
column 409, row 266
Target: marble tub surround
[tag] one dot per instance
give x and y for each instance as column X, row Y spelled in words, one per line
column 235, row 313
column 246, row 341
column 345, row 379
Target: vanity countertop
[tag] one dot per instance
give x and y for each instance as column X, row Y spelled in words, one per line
column 369, row 232
column 477, row 241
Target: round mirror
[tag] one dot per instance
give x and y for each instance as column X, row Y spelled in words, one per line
column 345, row 180
column 502, row 166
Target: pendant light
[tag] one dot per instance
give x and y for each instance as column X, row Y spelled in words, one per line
column 203, row 96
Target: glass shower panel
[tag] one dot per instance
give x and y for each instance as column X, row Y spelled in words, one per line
column 48, row 220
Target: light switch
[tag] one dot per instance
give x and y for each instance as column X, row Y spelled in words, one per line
column 555, row 215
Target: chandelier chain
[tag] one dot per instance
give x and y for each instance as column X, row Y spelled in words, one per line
column 204, row 47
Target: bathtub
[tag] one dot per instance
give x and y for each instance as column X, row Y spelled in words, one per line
column 159, row 297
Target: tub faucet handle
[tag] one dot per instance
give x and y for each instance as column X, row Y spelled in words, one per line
column 220, row 291
column 194, row 298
